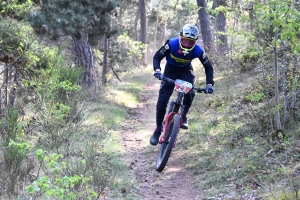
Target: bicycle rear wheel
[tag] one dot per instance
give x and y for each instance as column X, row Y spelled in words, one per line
column 169, row 140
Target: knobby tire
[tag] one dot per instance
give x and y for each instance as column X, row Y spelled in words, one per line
column 169, row 140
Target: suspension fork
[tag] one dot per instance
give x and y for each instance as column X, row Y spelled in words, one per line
column 178, row 103
column 171, row 107
column 174, row 108
column 166, row 125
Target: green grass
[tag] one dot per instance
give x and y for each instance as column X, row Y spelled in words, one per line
column 92, row 147
column 227, row 145
column 106, row 114
column 223, row 147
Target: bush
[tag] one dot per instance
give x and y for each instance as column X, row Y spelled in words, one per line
column 15, row 150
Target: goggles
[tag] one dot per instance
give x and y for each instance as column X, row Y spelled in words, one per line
column 187, row 42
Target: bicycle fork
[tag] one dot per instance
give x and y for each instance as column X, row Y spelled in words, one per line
column 172, row 111
column 166, row 130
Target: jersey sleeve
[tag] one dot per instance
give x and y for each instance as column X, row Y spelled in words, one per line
column 160, row 54
column 209, row 71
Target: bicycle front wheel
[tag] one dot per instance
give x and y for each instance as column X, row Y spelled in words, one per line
column 166, row 147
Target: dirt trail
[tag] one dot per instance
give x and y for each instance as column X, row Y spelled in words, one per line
column 174, row 182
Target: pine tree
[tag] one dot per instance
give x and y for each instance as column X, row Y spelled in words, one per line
column 86, row 21
column 205, row 25
column 16, row 42
column 76, row 18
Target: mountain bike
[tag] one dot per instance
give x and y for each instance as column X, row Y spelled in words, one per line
column 173, row 120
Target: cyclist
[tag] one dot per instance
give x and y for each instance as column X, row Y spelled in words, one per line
column 179, row 53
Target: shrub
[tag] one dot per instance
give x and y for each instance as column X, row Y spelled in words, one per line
column 15, row 149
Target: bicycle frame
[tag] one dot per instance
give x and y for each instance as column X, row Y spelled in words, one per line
column 182, row 88
column 174, row 109
column 173, row 121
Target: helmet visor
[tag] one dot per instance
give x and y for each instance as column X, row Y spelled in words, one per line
column 187, row 42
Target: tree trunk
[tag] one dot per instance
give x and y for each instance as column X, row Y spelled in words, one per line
column 164, row 31
column 143, row 36
column 136, row 24
column 155, row 29
column 276, row 75
column 295, row 77
column 200, row 39
column 84, row 58
column 220, row 28
column 13, row 89
column 8, row 86
column 234, row 25
column 285, row 89
column 205, row 26
column 105, row 60
column 3, row 94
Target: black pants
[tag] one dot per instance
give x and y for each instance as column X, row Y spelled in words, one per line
column 166, row 90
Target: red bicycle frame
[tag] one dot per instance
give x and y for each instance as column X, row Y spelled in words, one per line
column 168, row 118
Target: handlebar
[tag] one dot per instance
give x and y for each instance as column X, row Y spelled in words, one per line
column 198, row 90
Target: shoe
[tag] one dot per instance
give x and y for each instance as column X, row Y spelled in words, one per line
column 184, row 124
column 155, row 137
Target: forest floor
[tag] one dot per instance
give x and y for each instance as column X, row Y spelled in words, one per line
column 175, row 182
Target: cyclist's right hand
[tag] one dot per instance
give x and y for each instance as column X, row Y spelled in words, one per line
column 158, row 75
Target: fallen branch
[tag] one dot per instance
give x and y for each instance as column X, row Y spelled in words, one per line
column 115, row 73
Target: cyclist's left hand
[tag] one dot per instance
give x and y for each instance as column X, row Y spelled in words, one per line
column 209, row 89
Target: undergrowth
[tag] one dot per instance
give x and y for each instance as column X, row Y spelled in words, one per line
column 66, row 144
column 231, row 148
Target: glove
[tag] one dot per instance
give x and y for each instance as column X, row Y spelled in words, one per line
column 209, row 89
column 158, row 75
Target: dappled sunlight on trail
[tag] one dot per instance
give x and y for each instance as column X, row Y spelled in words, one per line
column 174, row 182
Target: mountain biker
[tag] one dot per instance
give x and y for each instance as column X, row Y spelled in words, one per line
column 179, row 53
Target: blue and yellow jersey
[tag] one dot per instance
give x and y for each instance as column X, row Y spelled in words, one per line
column 177, row 57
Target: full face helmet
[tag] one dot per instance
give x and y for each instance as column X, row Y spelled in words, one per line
column 187, row 37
